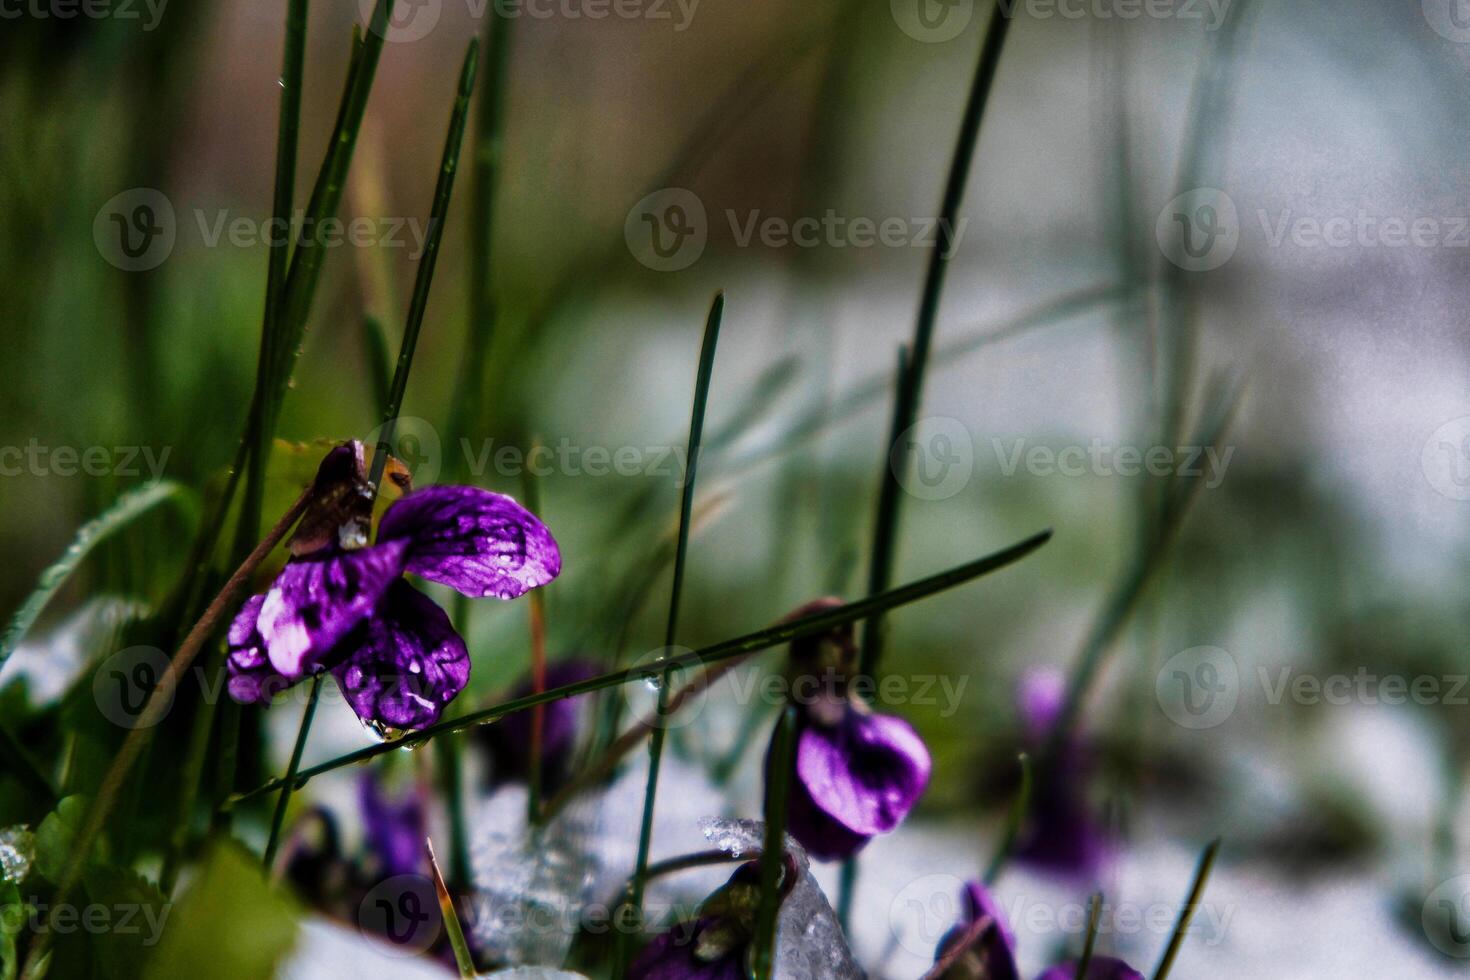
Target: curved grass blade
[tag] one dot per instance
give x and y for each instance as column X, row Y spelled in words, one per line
column 1178, row 497
column 911, row 390
column 1191, row 905
column 681, row 552
column 1013, row 823
column 128, row 508
column 739, row 646
column 1094, row 918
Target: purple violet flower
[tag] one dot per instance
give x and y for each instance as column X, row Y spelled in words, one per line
column 1101, row 968
column 857, row 773
column 341, row 604
column 1062, row 834
column 981, row 946
column 508, row 740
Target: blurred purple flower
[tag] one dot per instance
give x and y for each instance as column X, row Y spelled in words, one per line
column 981, row 946
column 509, row 740
column 676, row 955
column 342, row 605
column 394, row 828
column 1062, row 834
column 1101, row 968
column 857, row 773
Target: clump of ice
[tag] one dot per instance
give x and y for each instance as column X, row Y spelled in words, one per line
column 810, row 944
column 17, row 852
column 531, row 884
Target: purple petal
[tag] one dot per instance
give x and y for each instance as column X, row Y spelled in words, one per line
column 824, row 838
column 317, row 600
column 1041, row 694
column 252, row 679
column 1101, row 968
column 866, row 773
column 671, row 956
column 979, row 903
column 404, row 663
column 395, row 828
column 474, row 541
column 980, row 945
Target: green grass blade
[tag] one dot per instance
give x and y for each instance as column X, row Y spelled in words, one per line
column 423, row 279
column 466, row 402
column 284, row 800
column 1013, row 823
column 1191, row 905
column 686, row 506
column 326, row 196
column 911, row 389
column 773, row 852
column 885, row 521
column 1125, row 597
column 1089, row 944
column 375, row 347
column 128, row 508
column 463, row 958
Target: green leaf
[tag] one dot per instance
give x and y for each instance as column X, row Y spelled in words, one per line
column 137, row 915
column 230, row 925
column 54, row 837
column 128, row 508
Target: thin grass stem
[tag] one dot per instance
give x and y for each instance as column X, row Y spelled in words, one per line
column 773, row 857
column 283, row 801
column 764, row 639
column 703, row 376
